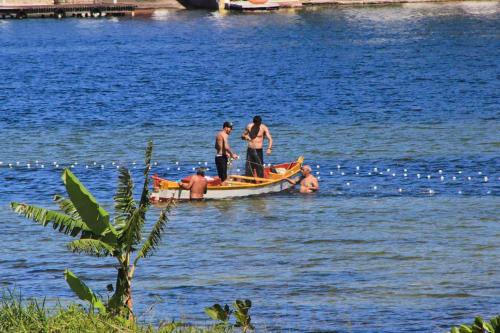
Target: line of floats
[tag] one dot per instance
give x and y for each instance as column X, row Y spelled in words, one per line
column 275, row 177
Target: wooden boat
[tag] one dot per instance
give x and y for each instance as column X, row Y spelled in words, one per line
column 200, row 4
column 274, row 180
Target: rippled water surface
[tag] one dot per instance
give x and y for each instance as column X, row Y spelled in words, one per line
column 397, row 109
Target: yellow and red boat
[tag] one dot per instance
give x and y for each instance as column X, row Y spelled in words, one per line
column 235, row 186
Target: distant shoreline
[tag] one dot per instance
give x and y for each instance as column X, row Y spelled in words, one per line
column 174, row 4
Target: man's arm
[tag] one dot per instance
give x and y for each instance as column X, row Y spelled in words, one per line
column 315, row 184
column 270, row 139
column 228, row 148
column 246, row 134
column 188, row 186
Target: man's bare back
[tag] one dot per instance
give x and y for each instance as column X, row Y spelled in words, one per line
column 221, row 143
column 197, row 186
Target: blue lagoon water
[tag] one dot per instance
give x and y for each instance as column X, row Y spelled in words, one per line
column 396, row 108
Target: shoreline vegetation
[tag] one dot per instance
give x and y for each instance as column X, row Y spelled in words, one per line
column 29, row 316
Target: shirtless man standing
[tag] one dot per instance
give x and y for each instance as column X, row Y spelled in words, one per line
column 197, row 185
column 308, row 183
column 255, row 133
column 223, row 150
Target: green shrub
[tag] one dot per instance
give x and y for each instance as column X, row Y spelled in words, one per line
column 479, row 326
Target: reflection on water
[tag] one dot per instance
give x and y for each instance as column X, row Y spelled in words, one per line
column 395, row 107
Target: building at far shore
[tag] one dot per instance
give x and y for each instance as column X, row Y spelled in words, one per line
column 11, row 3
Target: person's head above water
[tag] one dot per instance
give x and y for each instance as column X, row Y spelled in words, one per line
column 200, row 172
column 257, row 120
column 306, row 169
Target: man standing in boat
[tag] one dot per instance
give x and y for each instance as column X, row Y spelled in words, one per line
column 255, row 133
column 223, row 150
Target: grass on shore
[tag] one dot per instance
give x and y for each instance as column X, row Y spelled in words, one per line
column 32, row 316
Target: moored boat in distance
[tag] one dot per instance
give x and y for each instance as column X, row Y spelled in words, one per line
column 235, row 186
column 200, row 4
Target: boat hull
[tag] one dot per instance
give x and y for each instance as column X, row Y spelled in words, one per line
column 236, row 187
column 200, row 4
column 226, row 193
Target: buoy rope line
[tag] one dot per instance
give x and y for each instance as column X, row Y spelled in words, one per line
column 346, row 177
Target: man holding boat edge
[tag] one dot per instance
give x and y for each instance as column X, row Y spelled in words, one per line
column 223, row 150
column 255, row 133
column 308, row 183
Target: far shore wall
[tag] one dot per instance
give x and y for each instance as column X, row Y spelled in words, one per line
column 144, row 4
column 25, row 2
column 77, row 2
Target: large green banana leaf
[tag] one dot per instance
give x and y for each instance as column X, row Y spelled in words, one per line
column 89, row 210
column 82, row 291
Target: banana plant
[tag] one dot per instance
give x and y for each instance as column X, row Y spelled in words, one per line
column 83, row 218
